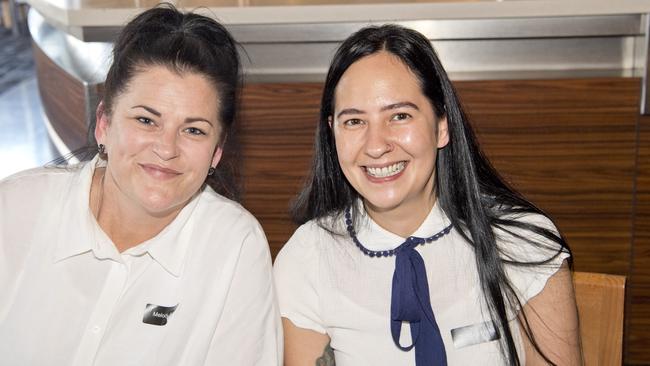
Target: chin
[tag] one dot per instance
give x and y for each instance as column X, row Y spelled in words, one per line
column 380, row 202
column 158, row 205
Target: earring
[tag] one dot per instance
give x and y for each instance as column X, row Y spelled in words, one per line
column 101, row 149
column 211, row 171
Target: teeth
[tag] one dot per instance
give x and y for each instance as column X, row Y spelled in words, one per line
column 386, row 171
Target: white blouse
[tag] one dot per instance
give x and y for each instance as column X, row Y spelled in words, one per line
column 326, row 284
column 200, row 292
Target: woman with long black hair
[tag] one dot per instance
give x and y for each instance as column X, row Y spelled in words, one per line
column 412, row 250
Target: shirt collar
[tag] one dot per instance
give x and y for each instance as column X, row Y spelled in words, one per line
column 375, row 237
column 170, row 247
column 80, row 233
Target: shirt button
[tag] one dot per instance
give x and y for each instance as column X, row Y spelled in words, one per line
column 96, row 329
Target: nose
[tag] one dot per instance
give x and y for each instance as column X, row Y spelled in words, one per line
column 378, row 140
column 166, row 146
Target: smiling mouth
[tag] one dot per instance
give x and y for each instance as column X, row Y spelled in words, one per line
column 387, row 171
column 159, row 171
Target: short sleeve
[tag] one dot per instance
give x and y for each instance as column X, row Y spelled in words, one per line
column 296, row 273
column 543, row 256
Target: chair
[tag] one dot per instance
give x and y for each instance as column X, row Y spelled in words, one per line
column 601, row 301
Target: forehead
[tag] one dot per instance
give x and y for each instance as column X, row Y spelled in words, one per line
column 171, row 90
column 375, row 78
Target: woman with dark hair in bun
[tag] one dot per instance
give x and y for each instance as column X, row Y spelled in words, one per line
column 139, row 256
column 412, row 250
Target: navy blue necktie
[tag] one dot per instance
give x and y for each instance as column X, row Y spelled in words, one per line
column 410, row 301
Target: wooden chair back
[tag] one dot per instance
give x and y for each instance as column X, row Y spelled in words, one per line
column 601, row 302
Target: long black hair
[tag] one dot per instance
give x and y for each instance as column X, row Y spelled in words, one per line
column 182, row 42
column 469, row 190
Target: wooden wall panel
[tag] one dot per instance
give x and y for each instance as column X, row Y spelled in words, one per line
column 63, row 99
column 638, row 321
column 277, row 133
column 572, row 96
column 570, row 147
column 577, row 167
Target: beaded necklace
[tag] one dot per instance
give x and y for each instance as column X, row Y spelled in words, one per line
column 411, row 241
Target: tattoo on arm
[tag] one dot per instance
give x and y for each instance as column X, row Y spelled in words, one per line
column 327, row 359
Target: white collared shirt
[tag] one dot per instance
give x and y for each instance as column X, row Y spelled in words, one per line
column 326, row 284
column 68, row 297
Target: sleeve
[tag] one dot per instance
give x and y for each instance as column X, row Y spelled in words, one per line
column 543, row 255
column 18, row 208
column 249, row 330
column 296, row 272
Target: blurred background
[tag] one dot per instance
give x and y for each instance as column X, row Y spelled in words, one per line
column 24, row 142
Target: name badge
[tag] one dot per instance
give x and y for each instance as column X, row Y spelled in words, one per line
column 474, row 334
column 157, row 315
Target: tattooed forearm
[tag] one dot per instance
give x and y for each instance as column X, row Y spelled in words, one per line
column 327, row 359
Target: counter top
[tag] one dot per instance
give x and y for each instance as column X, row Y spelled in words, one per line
column 115, row 13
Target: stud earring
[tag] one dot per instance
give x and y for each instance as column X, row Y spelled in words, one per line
column 211, row 171
column 101, row 149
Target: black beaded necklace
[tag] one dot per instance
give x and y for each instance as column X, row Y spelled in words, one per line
column 411, row 241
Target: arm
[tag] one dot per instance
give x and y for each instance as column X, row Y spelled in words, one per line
column 553, row 319
column 305, row 347
column 298, row 284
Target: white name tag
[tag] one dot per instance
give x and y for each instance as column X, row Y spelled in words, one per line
column 474, row 334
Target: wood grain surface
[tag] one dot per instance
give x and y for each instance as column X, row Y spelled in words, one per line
column 63, row 99
column 577, row 167
column 277, row 133
column 638, row 319
column 600, row 299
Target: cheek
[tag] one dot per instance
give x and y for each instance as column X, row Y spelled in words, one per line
column 126, row 141
column 348, row 144
column 344, row 151
column 198, row 153
column 417, row 140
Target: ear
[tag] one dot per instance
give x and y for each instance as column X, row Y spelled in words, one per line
column 101, row 123
column 443, row 132
column 329, row 121
column 217, row 156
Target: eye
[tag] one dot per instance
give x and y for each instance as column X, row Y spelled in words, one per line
column 400, row 117
column 352, row 122
column 194, row 131
column 145, row 120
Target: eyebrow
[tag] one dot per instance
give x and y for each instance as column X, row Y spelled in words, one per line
column 158, row 114
column 384, row 108
column 349, row 111
column 400, row 105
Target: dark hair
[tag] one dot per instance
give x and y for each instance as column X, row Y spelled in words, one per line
column 189, row 42
column 469, row 190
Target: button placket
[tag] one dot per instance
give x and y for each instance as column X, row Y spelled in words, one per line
column 102, row 312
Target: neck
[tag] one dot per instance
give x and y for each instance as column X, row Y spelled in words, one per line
column 115, row 215
column 403, row 220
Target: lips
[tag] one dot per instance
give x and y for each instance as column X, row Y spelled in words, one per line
column 386, row 171
column 160, row 172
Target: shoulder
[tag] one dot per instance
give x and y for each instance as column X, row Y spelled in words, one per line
column 307, row 242
column 223, row 214
column 41, row 177
column 533, row 251
column 528, row 237
column 38, row 186
column 221, row 231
